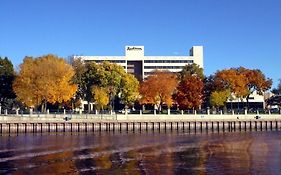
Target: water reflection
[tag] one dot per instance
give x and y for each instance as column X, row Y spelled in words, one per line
column 141, row 153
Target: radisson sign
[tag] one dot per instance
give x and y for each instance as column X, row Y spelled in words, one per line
column 134, row 48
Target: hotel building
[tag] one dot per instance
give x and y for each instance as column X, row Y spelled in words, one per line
column 137, row 63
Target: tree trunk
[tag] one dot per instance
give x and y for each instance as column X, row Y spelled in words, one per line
column 45, row 106
column 101, row 112
column 42, row 107
column 160, row 107
column 89, row 107
column 143, row 107
column 112, row 102
column 247, row 100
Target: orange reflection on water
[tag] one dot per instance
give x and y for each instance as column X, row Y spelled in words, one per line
column 144, row 153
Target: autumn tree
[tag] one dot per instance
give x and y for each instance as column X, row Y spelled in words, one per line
column 255, row 81
column 218, row 98
column 190, row 92
column 129, row 89
column 232, row 81
column 44, row 79
column 101, row 97
column 242, row 82
column 158, row 89
column 7, row 77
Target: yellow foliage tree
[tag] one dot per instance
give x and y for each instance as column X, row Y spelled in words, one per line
column 218, row 98
column 101, row 97
column 129, row 89
column 44, row 79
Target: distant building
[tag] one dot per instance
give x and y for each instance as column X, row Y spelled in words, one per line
column 255, row 101
column 141, row 66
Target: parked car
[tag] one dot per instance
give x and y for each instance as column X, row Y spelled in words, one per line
column 274, row 110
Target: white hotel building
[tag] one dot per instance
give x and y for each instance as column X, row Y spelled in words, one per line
column 141, row 66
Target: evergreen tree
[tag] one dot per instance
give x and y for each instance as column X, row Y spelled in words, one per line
column 7, row 77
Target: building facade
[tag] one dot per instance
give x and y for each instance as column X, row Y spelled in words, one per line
column 137, row 63
column 255, row 101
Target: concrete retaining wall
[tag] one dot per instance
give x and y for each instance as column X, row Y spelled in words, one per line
column 138, row 117
column 87, row 123
column 191, row 126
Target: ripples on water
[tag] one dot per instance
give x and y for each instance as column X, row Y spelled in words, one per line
column 141, row 153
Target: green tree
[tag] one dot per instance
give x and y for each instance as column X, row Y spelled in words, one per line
column 7, row 77
column 274, row 100
column 277, row 90
column 90, row 78
column 209, row 87
column 44, row 79
column 192, row 70
column 79, row 72
column 112, row 80
column 112, row 77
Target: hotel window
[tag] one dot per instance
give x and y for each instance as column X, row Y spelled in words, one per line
column 111, row 61
column 163, row 67
column 168, row 61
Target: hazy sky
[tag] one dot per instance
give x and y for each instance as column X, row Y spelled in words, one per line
column 233, row 32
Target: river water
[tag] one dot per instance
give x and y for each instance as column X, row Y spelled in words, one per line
column 141, row 153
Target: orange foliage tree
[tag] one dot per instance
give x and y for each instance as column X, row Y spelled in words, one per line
column 255, row 81
column 44, row 79
column 190, row 92
column 242, row 82
column 232, row 80
column 158, row 89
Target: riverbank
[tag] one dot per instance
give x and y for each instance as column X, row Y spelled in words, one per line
column 95, row 123
column 135, row 117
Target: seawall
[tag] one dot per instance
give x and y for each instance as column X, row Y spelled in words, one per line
column 95, row 123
